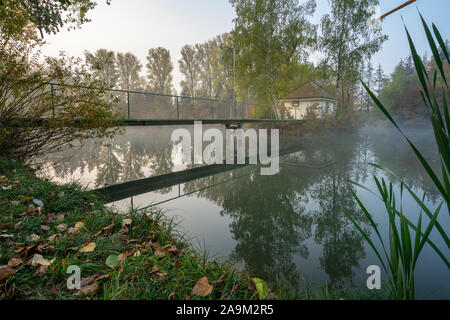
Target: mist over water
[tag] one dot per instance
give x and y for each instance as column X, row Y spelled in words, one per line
column 282, row 227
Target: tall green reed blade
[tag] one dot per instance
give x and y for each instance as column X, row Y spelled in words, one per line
column 403, row 251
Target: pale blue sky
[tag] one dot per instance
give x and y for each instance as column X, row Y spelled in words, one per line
column 137, row 25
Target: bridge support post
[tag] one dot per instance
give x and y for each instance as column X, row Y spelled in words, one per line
column 53, row 100
column 128, row 105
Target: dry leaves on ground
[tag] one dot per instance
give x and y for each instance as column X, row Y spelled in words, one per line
column 202, row 288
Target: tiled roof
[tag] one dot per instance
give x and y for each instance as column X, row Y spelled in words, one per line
column 309, row 90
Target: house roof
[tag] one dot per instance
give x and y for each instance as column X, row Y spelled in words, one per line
column 309, row 90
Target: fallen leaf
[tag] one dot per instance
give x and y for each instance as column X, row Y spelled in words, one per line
column 161, row 251
column 40, row 270
column 53, row 238
column 122, row 257
column 61, row 228
column 126, row 222
column 104, row 230
column 106, row 276
column 27, row 251
column 60, row 217
column 137, row 254
column 39, row 260
column 18, row 224
column 6, row 236
column 14, row 262
column 90, row 290
column 73, row 230
column 34, row 237
column 88, row 280
column 171, row 295
column 79, row 225
column 154, row 269
column 25, row 199
column 261, row 288
column 6, row 273
column 113, row 261
column 178, row 264
column 45, row 228
column 174, row 251
column 89, row 247
column 202, row 288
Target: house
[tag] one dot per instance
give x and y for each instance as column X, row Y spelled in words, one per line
column 309, row 96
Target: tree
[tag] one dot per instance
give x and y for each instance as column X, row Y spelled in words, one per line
column 369, row 76
column 380, row 79
column 190, row 69
column 346, row 40
column 25, row 95
column 159, row 70
column 103, row 66
column 47, row 16
column 129, row 68
column 270, row 38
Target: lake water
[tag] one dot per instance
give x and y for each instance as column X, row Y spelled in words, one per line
column 289, row 227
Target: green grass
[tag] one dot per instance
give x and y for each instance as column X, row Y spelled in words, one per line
column 177, row 271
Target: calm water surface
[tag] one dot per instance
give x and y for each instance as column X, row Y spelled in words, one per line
column 283, row 227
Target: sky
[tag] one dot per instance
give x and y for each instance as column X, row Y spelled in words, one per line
column 138, row 25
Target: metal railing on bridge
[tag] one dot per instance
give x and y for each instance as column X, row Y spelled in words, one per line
column 147, row 105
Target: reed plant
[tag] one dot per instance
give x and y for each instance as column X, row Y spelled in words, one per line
column 399, row 256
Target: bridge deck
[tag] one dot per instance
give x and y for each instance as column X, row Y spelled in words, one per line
column 153, row 122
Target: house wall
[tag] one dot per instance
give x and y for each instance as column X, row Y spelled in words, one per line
column 298, row 109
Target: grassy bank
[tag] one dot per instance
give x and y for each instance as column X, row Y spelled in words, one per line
column 146, row 259
column 134, row 256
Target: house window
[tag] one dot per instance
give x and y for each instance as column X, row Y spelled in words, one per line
column 295, row 104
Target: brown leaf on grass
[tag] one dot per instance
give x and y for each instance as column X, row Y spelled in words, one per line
column 28, row 251
column 202, row 288
column 154, row 269
column 90, row 290
column 45, row 228
column 54, row 237
column 5, row 236
column 60, row 217
column 122, row 257
column 106, row 276
column 61, row 227
column 171, row 295
column 161, row 251
column 51, row 218
column 186, row 297
column 39, row 260
column 41, row 270
column 54, row 291
column 174, row 251
column 104, row 230
column 88, row 280
column 17, row 225
column 6, row 272
column 178, row 264
column 73, row 231
column 90, row 247
column 126, row 222
column 14, row 262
